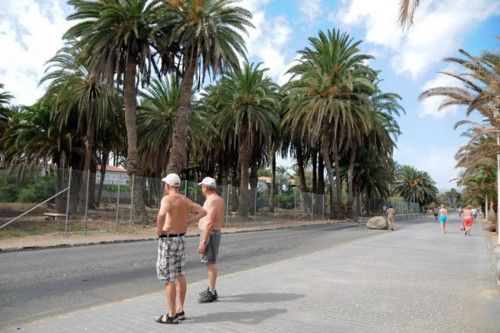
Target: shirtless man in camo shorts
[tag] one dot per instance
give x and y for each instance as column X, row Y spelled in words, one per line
column 171, row 225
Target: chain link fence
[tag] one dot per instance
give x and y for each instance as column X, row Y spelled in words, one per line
column 49, row 200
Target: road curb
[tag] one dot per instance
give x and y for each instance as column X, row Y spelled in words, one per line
column 118, row 241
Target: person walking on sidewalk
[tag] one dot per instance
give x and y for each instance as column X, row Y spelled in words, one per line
column 467, row 219
column 171, row 225
column 210, row 236
column 391, row 216
column 443, row 216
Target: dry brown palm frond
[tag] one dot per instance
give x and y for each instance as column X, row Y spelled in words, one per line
column 407, row 12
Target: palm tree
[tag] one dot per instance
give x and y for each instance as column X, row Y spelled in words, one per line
column 479, row 92
column 414, row 185
column 5, row 114
column 33, row 136
column 248, row 117
column 5, row 98
column 480, row 86
column 407, row 12
column 159, row 104
column 323, row 96
column 73, row 90
column 209, row 34
column 118, row 38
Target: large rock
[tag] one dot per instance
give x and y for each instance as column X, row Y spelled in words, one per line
column 491, row 223
column 377, row 222
column 490, row 226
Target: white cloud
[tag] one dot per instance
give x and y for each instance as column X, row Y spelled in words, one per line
column 438, row 29
column 268, row 40
column 429, row 106
column 29, row 37
column 252, row 5
column 310, row 8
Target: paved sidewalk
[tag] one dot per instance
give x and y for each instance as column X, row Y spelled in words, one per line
column 410, row 280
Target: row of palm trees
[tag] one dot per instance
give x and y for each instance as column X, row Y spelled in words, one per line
column 478, row 90
column 136, row 67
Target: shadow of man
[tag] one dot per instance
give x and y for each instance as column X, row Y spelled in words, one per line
column 261, row 297
column 241, row 317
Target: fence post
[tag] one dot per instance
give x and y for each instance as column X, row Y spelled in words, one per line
column 132, row 200
column 86, row 203
column 67, row 202
column 118, row 202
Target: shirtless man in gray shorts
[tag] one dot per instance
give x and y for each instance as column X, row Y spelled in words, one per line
column 210, row 227
column 171, row 225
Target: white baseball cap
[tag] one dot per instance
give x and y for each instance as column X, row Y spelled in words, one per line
column 172, row 179
column 208, row 182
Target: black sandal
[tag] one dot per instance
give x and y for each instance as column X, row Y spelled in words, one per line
column 180, row 315
column 165, row 319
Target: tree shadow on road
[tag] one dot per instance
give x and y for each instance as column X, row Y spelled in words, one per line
column 260, row 297
column 241, row 317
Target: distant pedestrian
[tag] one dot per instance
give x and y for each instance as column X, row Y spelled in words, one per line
column 171, row 225
column 391, row 217
column 443, row 216
column 459, row 212
column 436, row 212
column 467, row 220
column 210, row 236
column 474, row 212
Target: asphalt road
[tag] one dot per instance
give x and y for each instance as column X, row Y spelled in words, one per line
column 36, row 284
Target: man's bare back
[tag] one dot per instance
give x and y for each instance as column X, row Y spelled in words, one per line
column 443, row 211
column 173, row 217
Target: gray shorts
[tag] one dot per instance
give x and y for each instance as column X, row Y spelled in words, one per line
column 212, row 249
column 171, row 258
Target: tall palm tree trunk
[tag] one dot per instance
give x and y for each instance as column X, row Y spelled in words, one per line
column 104, row 164
column 321, row 175
column 244, row 151
column 302, row 176
column 254, row 179
column 234, row 189
column 350, row 178
column 321, row 186
column 338, row 179
column 178, row 151
column 273, row 180
column 62, row 182
column 89, row 149
column 325, row 151
column 314, row 162
column 133, row 165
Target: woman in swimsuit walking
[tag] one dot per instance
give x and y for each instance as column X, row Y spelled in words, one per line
column 468, row 220
column 443, row 216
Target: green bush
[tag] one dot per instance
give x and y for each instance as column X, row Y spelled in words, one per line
column 42, row 189
column 286, row 200
column 262, row 199
column 9, row 192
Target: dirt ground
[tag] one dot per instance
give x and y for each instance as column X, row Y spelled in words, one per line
column 105, row 232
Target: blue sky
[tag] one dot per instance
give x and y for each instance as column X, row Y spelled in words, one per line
column 409, row 59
